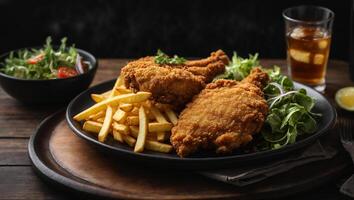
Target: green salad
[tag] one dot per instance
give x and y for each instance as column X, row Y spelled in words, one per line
column 290, row 111
column 45, row 63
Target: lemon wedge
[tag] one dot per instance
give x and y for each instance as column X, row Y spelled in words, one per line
column 345, row 98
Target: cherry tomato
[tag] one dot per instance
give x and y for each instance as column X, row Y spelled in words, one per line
column 65, row 72
column 36, row 59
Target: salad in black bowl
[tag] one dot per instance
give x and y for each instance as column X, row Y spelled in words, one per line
column 48, row 74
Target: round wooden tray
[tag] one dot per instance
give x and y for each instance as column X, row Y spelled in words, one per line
column 62, row 158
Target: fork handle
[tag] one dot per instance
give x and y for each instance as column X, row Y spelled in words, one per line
column 348, row 187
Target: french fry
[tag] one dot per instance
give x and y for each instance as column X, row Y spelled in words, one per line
column 143, row 129
column 97, row 115
column 123, row 90
column 102, row 135
column 126, row 115
column 157, row 146
column 114, row 101
column 157, row 114
column 97, row 97
column 147, row 105
column 91, row 126
column 132, row 120
column 117, row 136
column 101, row 119
column 114, row 92
column 134, row 111
column 106, row 94
column 160, row 126
column 129, row 140
column 134, row 130
column 120, row 81
column 120, row 116
column 137, row 105
column 127, row 107
column 161, row 136
column 171, row 115
column 121, row 128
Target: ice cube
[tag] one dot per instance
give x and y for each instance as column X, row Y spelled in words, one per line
column 298, row 32
column 322, row 44
column 300, row 56
column 318, row 59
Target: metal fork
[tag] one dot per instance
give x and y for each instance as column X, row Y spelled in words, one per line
column 346, row 133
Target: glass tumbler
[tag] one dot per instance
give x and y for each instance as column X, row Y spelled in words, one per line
column 308, row 32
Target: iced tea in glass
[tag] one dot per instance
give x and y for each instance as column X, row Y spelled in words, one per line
column 308, row 37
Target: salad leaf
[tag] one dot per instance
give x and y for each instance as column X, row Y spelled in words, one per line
column 279, row 83
column 274, row 120
column 307, row 124
column 40, row 63
column 276, row 76
column 239, row 67
column 304, row 100
column 293, row 118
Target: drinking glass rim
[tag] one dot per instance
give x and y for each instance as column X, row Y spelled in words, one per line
column 331, row 17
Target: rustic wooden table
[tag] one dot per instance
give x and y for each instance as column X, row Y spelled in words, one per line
column 18, row 122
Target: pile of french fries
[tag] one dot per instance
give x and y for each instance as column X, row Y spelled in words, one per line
column 130, row 118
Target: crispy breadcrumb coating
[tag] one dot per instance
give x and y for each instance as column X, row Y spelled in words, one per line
column 223, row 117
column 173, row 84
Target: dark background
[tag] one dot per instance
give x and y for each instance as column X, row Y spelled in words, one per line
column 132, row 28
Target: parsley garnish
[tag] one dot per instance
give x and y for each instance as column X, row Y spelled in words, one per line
column 162, row 58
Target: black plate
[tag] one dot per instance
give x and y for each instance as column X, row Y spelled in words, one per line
column 83, row 101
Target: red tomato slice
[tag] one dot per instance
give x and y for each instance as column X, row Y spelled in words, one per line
column 65, row 72
column 36, row 59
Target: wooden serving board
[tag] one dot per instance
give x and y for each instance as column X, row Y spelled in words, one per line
column 67, row 161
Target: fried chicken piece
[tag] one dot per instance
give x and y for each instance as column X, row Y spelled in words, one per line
column 223, row 117
column 173, row 84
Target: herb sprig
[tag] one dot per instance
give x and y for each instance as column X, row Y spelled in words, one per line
column 162, row 58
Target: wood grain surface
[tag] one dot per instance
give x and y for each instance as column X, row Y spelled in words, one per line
column 18, row 122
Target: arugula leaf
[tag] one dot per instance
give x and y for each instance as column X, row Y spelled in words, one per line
column 304, row 100
column 162, row 58
column 279, row 83
column 293, row 114
column 274, row 119
column 307, row 124
column 290, row 115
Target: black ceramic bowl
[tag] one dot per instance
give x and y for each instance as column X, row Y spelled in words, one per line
column 48, row 91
